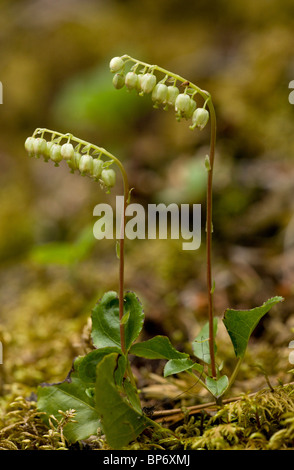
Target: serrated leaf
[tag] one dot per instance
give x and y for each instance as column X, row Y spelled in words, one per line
column 158, row 347
column 217, row 386
column 175, row 366
column 120, row 421
column 200, row 345
column 86, row 365
column 240, row 324
column 68, row 396
column 135, row 321
column 106, row 324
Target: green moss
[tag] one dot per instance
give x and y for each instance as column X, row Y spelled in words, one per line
column 263, row 421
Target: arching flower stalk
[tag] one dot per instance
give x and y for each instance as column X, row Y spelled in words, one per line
column 174, row 92
column 94, row 162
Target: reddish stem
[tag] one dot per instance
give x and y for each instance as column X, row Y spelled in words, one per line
column 209, row 237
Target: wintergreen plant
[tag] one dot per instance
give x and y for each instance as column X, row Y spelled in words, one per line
column 171, row 91
column 80, row 155
column 101, row 387
column 92, row 161
column 100, row 383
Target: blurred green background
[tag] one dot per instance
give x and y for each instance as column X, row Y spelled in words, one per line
column 54, row 60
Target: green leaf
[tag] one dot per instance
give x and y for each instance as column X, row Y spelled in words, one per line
column 125, row 318
column 158, row 347
column 106, row 324
column 135, row 318
column 120, row 370
column 132, row 395
column 68, row 396
column 120, row 421
column 200, row 344
column 86, row 365
column 175, row 366
column 217, row 386
column 241, row 323
column 105, row 321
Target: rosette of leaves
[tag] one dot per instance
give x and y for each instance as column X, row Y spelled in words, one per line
column 99, row 387
column 103, row 393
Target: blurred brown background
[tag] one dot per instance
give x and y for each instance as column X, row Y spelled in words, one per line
column 54, row 60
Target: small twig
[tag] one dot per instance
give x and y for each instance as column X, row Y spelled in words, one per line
column 203, row 406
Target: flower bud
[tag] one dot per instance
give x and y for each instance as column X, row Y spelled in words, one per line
column 55, row 153
column 40, row 147
column 131, row 80
column 67, row 151
column 97, row 167
column 192, row 108
column 139, row 83
column 49, row 146
column 29, row 145
column 108, row 177
column 76, row 159
column 148, row 82
column 172, row 93
column 86, row 164
column 73, row 163
column 118, row 81
column 182, row 103
column 116, row 64
column 159, row 93
column 200, row 118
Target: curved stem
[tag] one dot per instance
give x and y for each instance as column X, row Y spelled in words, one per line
column 121, row 259
column 101, row 150
column 87, row 147
column 122, row 270
column 209, row 235
column 122, row 249
column 207, row 102
column 176, row 77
